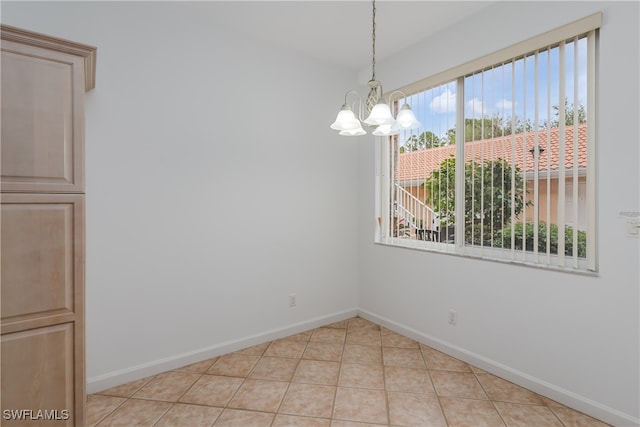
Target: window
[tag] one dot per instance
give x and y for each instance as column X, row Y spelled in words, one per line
column 502, row 167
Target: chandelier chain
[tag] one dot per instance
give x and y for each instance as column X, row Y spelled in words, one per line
column 373, row 40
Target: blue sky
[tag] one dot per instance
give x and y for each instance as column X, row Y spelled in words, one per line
column 507, row 90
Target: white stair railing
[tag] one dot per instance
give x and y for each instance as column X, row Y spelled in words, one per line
column 415, row 213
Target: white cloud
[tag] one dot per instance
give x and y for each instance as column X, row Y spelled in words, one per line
column 504, row 105
column 444, row 103
column 476, row 108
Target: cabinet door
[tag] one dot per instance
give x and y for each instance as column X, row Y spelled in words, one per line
column 42, row 274
column 38, row 378
column 42, row 306
column 42, row 120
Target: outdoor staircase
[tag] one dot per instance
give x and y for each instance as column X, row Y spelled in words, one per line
column 414, row 217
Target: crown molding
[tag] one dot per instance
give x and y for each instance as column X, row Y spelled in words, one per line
column 88, row 53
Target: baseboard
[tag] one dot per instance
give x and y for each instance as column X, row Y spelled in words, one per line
column 113, row 379
column 566, row 397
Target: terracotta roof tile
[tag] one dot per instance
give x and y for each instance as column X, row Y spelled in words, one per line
column 418, row 165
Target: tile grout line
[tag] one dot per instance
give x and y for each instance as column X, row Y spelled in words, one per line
column 177, row 401
column 477, row 375
column 493, row 401
column 340, row 363
column 277, row 411
column 126, row 399
column 244, row 380
column 495, row 408
column 384, row 377
column 110, row 412
column 435, row 390
column 164, row 413
column 335, row 395
column 384, row 380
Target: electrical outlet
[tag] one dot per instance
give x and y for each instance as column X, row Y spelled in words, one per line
column 453, row 317
column 292, row 300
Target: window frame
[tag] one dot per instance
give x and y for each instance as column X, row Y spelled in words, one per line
column 588, row 26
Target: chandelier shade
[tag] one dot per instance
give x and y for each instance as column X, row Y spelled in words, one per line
column 355, row 132
column 380, row 117
column 380, row 114
column 387, row 130
column 406, row 119
column 346, row 120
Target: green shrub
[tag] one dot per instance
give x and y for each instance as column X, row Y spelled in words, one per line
column 503, row 238
column 493, row 192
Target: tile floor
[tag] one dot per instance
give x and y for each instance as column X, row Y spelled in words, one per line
column 347, row 374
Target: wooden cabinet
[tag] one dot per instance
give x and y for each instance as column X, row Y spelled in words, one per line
column 43, row 85
column 42, row 223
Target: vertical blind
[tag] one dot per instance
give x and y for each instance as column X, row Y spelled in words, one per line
column 503, row 166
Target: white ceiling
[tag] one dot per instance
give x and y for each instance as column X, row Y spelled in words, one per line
column 340, row 31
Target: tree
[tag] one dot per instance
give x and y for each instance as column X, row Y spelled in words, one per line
column 495, row 126
column 493, row 196
column 485, row 128
column 489, row 127
column 451, row 136
column 569, row 114
column 423, row 141
column 517, row 125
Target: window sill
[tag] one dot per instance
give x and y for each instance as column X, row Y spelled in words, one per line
column 449, row 249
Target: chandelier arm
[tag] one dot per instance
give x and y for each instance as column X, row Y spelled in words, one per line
column 404, row 95
column 397, row 91
column 359, row 104
column 352, row 92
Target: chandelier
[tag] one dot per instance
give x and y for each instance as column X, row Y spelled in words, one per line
column 380, row 117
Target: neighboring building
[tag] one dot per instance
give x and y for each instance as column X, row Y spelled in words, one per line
column 412, row 168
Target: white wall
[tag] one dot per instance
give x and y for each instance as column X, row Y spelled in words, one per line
column 214, row 188
column 573, row 336
column 191, row 245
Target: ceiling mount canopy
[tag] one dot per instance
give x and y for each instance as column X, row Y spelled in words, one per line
column 380, row 117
